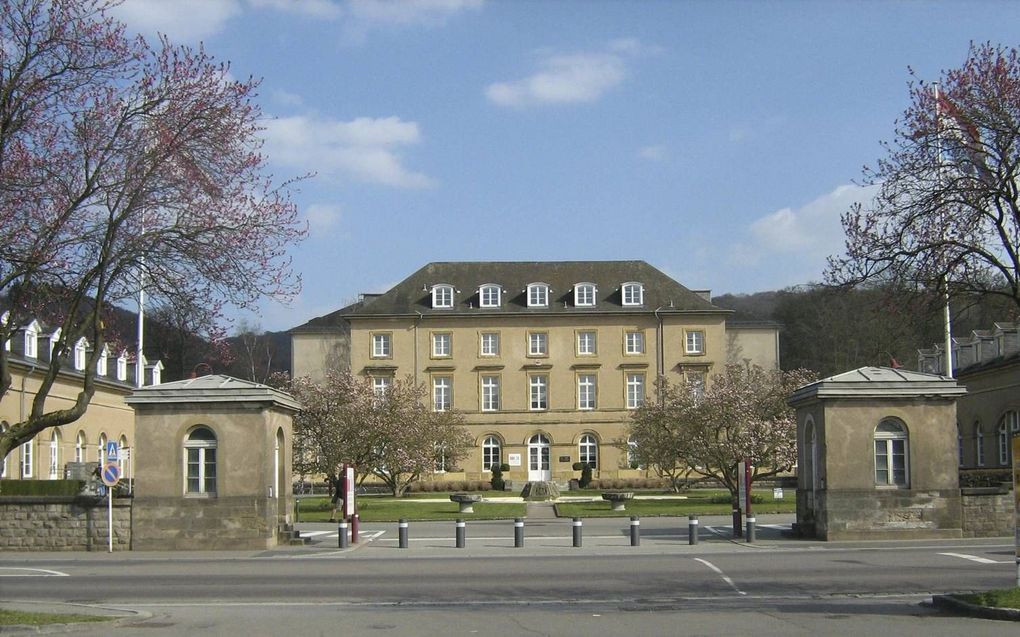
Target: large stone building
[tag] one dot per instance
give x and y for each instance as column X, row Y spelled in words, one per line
column 546, row 360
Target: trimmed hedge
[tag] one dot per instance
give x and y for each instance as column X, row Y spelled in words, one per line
column 41, row 487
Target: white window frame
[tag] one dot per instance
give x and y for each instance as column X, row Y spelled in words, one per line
column 492, row 452
column 202, row 449
column 588, row 450
column 633, row 294
column 490, row 295
column 695, row 379
column 442, row 345
column 27, row 460
column 380, row 385
column 80, row 445
column 694, row 342
column 382, row 345
column 538, row 295
column 635, row 383
column 587, row 392
column 442, row 296
column 587, row 343
column 634, row 343
column 488, row 344
column 1008, row 424
column 585, row 294
column 80, row 349
column 101, row 361
column 885, row 447
column 3, row 461
column 31, row 342
column 538, row 392
column 442, row 393
column 490, row 393
column 538, row 343
column 122, row 364
column 54, row 455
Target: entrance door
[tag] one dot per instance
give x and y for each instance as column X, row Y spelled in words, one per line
column 538, row 459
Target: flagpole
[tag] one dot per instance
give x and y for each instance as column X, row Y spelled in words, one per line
column 946, row 317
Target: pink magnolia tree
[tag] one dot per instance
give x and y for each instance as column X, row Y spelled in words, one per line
column 947, row 210
column 125, row 165
column 741, row 414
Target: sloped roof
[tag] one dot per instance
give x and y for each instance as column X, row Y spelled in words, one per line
column 413, row 295
column 879, row 382
column 213, row 388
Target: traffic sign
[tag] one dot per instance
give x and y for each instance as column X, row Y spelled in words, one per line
column 111, row 450
column 111, row 474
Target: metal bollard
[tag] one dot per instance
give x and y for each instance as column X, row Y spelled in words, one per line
column 402, row 532
column 355, row 528
column 297, row 510
column 577, row 533
column 750, row 529
column 518, row 533
column 461, row 532
column 736, row 523
column 635, row 530
column 341, row 533
column 692, row 529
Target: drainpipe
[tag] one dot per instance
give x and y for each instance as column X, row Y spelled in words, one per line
column 418, row 320
column 659, row 353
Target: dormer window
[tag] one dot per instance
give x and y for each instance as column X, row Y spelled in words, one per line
column 79, row 354
column 6, row 316
column 31, row 340
column 538, row 295
column 442, row 296
column 122, row 367
column 101, row 363
column 54, row 337
column 584, row 295
column 489, row 295
column 633, row 294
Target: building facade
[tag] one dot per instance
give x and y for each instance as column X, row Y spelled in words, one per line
column 546, row 360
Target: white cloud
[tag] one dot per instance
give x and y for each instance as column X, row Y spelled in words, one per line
column 653, row 153
column 571, row 78
column 180, row 20
column 409, row 12
column 326, row 9
column 287, row 98
column 364, row 149
column 322, row 218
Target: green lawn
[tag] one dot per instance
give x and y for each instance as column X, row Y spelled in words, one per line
column 20, row 618
column 1004, row 598
column 387, row 509
column 698, row 502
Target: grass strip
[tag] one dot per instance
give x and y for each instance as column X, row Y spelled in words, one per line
column 22, row 618
column 1000, row 598
column 391, row 510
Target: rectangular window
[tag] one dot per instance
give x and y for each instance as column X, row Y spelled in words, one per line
column 490, row 393
column 584, row 295
column 26, row 460
column 442, row 345
column 635, row 390
column 694, row 342
column 586, row 343
column 201, row 470
column 380, row 384
column 634, row 343
column 538, row 295
column 489, row 296
column 891, row 462
column 695, row 382
column 538, row 344
column 490, row 344
column 381, row 347
column 442, row 393
column 539, row 392
column 633, row 294
column 586, row 391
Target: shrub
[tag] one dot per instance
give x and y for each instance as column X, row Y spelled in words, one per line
column 41, row 487
column 585, row 475
column 497, row 482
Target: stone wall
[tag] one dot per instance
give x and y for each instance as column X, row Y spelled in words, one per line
column 988, row 512
column 52, row 523
column 872, row 514
column 174, row 524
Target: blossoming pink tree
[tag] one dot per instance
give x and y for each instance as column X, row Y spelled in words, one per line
column 123, row 164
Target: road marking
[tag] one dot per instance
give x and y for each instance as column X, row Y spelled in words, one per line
column 32, row 572
column 315, row 533
column 721, row 574
column 975, row 558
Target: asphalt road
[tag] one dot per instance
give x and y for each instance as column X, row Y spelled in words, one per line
column 775, row 586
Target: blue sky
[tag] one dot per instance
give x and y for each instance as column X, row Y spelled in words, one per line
column 719, row 141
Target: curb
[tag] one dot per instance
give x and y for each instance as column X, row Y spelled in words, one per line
column 950, row 603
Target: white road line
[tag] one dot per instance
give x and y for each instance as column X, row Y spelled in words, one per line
column 315, row 533
column 975, row 558
column 32, row 572
column 721, row 574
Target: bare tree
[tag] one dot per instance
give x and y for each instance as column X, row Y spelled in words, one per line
column 122, row 165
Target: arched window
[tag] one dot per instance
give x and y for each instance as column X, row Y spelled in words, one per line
column 588, row 450
column 102, row 449
column 538, row 295
column 633, row 294
column 123, row 455
column 79, row 447
column 3, row 464
column 891, row 454
column 584, row 294
column 632, row 458
column 1008, row 425
column 490, row 295
column 200, row 462
column 491, row 453
column 54, row 455
column 442, row 295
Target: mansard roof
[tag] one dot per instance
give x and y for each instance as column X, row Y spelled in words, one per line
column 879, row 382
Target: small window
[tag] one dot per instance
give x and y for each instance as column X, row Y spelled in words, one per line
column 442, row 296
column 442, row 345
column 490, row 393
column 122, row 367
column 588, row 451
column 489, row 295
column 489, row 344
column 491, row 453
column 586, row 345
column 538, row 344
column 633, row 294
column 381, row 346
column 695, row 382
column 586, row 390
column 80, row 349
column 31, row 343
column 538, row 295
column 381, row 385
column 538, row 392
column 584, row 294
column 200, row 462
column 101, row 361
column 694, row 342
column 634, row 343
column 891, row 457
column 635, row 390
column 442, row 393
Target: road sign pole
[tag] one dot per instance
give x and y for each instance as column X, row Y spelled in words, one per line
column 109, row 515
